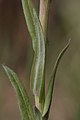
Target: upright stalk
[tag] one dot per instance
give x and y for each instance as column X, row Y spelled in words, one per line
column 43, row 15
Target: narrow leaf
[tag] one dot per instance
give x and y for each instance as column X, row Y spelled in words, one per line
column 35, row 29
column 48, row 99
column 23, row 100
column 29, row 17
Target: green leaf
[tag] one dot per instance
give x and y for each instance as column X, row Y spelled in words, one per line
column 23, row 100
column 29, row 17
column 48, row 99
column 36, row 32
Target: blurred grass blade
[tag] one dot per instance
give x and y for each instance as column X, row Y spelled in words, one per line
column 24, row 103
column 35, row 29
column 48, row 99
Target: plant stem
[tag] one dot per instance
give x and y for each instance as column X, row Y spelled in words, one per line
column 43, row 15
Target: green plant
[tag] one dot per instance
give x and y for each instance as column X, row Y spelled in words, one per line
column 37, row 26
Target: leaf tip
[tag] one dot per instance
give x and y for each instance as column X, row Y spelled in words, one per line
column 5, row 68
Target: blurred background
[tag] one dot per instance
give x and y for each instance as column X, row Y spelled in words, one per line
column 16, row 52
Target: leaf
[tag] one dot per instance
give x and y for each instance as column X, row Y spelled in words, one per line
column 24, row 103
column 36, row 32
column 29, row 17
column 48, row 98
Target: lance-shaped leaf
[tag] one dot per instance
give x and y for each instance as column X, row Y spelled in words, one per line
column 25, row 106
column 35, row 30
column 29, row 17
column 48, row 99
